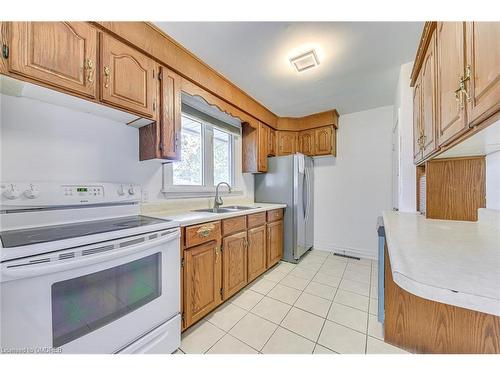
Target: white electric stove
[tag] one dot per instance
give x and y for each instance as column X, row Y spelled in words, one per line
column 83, row 272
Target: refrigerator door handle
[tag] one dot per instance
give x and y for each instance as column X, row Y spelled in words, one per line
column 304, row 194
column 305, row 190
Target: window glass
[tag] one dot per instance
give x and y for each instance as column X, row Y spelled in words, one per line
column 189, row 171
column 86, row 303
column 222, row 156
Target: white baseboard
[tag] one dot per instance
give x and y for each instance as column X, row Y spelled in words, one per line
column 360, row 253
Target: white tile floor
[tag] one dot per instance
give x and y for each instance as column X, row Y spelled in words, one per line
column 324, row 305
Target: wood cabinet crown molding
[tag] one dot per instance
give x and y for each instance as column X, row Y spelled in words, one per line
column 312, row 121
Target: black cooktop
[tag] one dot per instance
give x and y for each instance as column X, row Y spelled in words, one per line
column 31, row 236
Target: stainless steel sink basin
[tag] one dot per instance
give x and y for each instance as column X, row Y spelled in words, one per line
column 222, row 210
column 238, row 208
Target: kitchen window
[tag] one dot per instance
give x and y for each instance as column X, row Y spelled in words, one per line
column 207, row 157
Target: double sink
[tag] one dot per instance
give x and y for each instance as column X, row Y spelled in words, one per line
column 227, row 209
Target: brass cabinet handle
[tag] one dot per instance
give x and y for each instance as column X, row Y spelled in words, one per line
column 205, row 230
column 106, row 75
column 216, row 254
column 462, row 92
column 89, row 67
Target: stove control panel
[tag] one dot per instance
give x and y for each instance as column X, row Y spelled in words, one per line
column 82, row 191
column 22, row 195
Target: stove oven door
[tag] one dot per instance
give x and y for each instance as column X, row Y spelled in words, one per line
column 93, row 299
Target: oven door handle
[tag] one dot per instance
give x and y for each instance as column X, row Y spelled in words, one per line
column 32, row 270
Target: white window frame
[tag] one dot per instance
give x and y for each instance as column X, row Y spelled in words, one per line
column 207, row 189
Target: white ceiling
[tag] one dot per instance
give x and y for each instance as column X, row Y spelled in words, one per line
column 359, row 61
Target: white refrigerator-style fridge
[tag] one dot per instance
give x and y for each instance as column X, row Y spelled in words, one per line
column 290, row 180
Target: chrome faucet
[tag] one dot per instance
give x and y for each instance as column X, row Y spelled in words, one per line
column 218, row 200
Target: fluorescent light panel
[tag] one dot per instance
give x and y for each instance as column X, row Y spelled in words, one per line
column 305, row 61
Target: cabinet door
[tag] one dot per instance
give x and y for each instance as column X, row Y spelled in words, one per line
column 274, row 242
column 256, row 252
column 59, row 54
column 451, row 65
column 417, row 120
column 483, row 61
column 262, row 147
column 271, row 148
column 323, row 141
column 202, row 281
column 128, row 78
column 170, row 115
column 428, row 113
column 234, row 263
column 287, row 143
column 307, row 142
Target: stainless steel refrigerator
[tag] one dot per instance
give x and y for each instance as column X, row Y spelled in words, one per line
column 290, row 180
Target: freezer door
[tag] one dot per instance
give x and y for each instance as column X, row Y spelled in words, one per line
column 309, row 203
column 300, row 206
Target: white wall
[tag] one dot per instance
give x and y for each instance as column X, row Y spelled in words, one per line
column 493, row 180
column 352, row 190
column 45, row 142
column 403, row 116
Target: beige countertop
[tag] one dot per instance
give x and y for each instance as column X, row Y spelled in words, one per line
column 186, row 217
column 453, row 262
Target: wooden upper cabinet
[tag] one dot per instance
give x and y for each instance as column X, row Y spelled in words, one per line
column 452, row 120
column 271, row 143
column 323, row 141
column 234, row 269
column 274, row 242
column 306, row 140
column 417, row 120
column 59, row 54
column 256, row 252
column 262, row 147
column 428, row 107
column 202, row 281
column 287, row 142
column 483, row 63
column 170, row 114
column 128, row 78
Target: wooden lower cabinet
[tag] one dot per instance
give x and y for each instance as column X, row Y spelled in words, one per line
column 234, row 263
column 274, row 242
column 423, row 326
column 217, row 264
column 202, row 281
column 257, row 254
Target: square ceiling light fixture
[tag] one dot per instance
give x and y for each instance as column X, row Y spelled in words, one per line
column 305, row 61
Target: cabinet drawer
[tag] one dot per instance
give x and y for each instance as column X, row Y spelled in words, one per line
column 201, row 233
column 233, row 225
column 255, row 220
column 274, row 215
